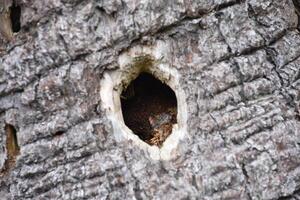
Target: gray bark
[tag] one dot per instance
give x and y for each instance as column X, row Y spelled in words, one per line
column 239, row 63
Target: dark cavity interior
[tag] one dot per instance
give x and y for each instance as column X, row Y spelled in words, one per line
column 15, row 16
column 149, row 109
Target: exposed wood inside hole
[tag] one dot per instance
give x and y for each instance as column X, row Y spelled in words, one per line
column 12, row 147
column 149, row 109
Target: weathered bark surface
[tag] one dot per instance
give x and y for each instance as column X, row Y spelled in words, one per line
column 240, row 69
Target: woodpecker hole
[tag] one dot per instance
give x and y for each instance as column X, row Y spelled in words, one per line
column 15, row 16
column 145, row 103
column 12, row 147
column 149, row 109
column 58, row 133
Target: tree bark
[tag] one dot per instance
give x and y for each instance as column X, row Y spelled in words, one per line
column 239, row 66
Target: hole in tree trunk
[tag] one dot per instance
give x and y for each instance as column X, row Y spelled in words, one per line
column 149, row 109
column 12, row 146
column 15, row 16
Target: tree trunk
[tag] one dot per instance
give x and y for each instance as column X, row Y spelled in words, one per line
column 233, row 64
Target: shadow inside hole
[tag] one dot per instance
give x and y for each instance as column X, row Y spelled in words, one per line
column 15, row 17
column 149, row 109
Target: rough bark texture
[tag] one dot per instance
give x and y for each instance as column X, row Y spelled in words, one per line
column 240, row 66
